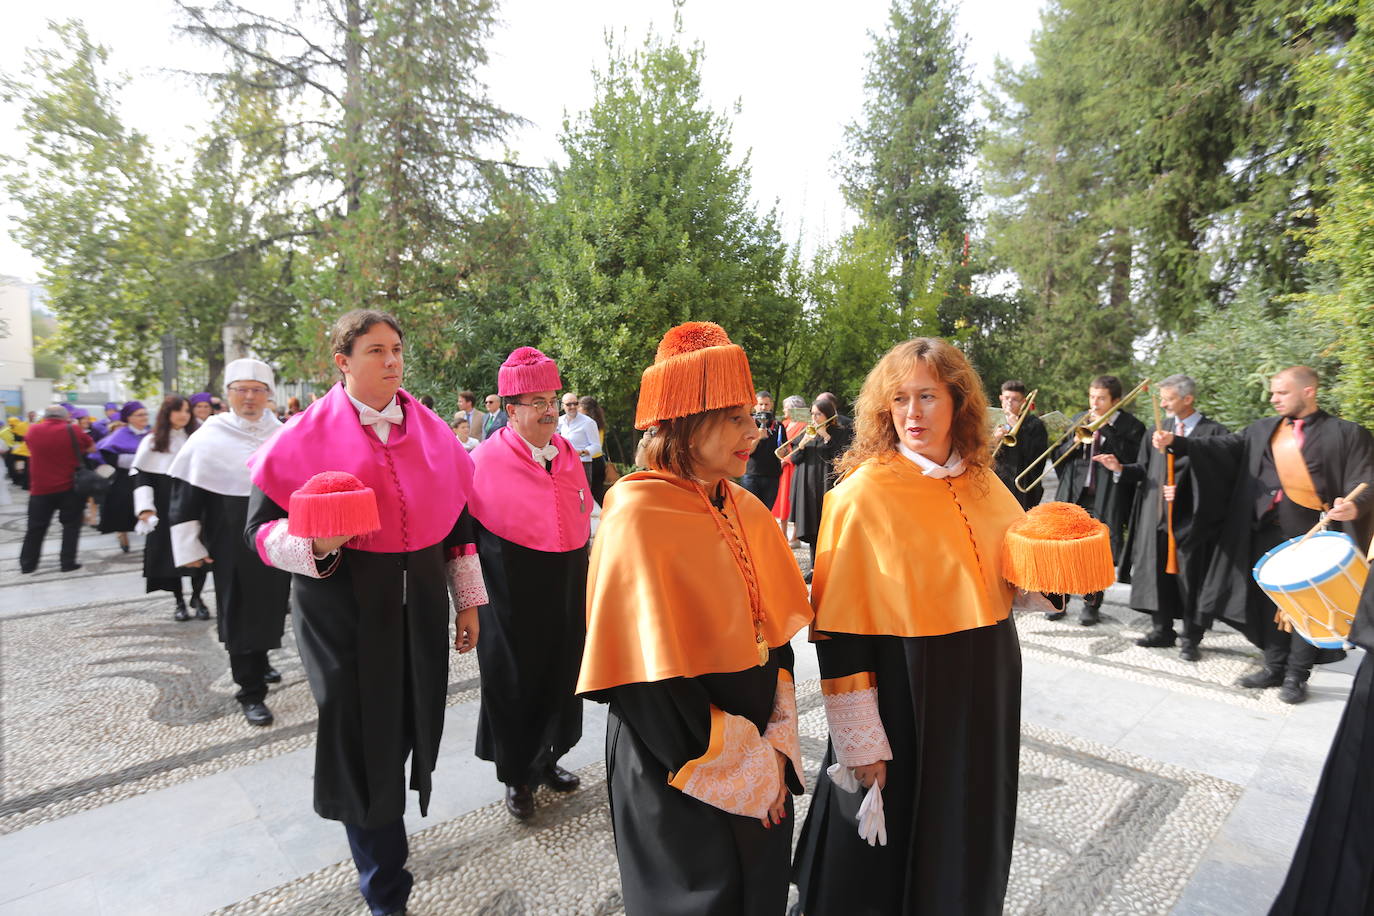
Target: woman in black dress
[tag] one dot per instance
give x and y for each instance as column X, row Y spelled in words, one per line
column 152, row 500
column 118, row 449
column 815, row 475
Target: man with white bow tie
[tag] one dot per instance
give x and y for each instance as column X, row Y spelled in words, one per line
column 533, row 508
column 209, row 503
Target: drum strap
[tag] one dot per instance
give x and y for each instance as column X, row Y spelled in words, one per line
column 1294, row 477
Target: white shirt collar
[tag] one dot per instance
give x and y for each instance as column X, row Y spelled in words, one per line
column 1189, row 424
column 540, row 455
column 953, row 466
column 383, row 429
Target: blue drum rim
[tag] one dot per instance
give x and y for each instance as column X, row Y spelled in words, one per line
column 1315, row 580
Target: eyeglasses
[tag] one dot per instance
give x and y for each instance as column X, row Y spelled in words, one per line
column 540, row 405
column 251, row 389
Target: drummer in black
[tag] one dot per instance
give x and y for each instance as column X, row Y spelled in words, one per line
column 1269, row 482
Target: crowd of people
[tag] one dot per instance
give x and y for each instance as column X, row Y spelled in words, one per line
column 680, row 613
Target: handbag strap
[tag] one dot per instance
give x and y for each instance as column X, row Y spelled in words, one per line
column 76, row 449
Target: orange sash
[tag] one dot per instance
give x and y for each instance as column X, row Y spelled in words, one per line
column 1294, row 477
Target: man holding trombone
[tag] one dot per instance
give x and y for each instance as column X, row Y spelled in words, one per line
column 1103, row 429
column 1016, row 443
column 1170, row 541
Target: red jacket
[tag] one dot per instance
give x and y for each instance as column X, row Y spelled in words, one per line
column 52, row 460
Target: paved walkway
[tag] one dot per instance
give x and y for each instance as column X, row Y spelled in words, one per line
column 129, row 783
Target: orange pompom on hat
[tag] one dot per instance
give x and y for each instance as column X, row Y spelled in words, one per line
column 1058, row 548
column 696, row 369
column 333, row 504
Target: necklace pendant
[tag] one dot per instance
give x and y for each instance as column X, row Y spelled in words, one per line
column 762, row 648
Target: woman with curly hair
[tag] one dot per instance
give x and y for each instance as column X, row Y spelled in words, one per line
column 920, row 664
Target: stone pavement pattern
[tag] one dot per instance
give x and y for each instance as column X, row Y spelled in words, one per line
column 129, row 782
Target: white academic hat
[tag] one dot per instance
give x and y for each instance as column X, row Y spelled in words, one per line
column 249, row 370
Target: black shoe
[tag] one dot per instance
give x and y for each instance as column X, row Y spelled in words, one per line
column 560, row 780
column 1089, row 616
column 1158, row 639
column 1189, row 652
column 202, row 612
column 1260, row 679
column 27, row 571
column 273, row 676
column 520, row 802
column 1055, row 615
column 1093, row 600
column 180, row 613
column 257, row 714
column 1294, row 690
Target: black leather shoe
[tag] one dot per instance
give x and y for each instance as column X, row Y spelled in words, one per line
column 27, row 571
column 1260, row 679
column 1055, row 615
column 1189, row 652
column 1294, row 690
column 74, row 566
column 202, row 612
column 1089, row 617
column 1158, row 639
column 257, row 714
column 520, row 802
column 560, row 780
column 273, row 676
column 180, row 613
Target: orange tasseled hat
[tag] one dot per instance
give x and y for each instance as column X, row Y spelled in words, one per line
column 1058, row 548
column 696, row 369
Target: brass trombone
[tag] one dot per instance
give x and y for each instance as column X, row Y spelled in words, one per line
column 1082, row 434
column 1010, row 437
column 812, row 429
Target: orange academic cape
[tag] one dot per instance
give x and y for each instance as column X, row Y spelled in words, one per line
column 902, row 554
column 665, row 596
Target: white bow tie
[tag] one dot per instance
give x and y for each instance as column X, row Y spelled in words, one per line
column 392, row 415
column 547, row 453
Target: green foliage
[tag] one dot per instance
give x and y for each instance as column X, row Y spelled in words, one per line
column 1341, row 88
column 1233, row 352
column 650, row 225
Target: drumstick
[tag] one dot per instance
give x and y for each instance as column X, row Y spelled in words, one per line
column 1322, row 522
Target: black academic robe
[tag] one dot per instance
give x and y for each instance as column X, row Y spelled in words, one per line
column 117, row 508
column 1332, row 872
column 814, row 477
column 951, row 708
column 680, row 856
column 1109, row 500
column 1142, row 562
column 159, row 569
column 250, row 596
column 1032, row 440
column 374, row 639
column 533, row 629
column 1228, row 470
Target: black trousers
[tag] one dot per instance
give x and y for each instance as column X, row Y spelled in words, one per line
column 596, row 477
column 250, row 673
column 69, row 507
column 765, row 488
column 380, row 855
column 1283, row 652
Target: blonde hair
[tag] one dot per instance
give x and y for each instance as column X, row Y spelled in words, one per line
column 875, row 435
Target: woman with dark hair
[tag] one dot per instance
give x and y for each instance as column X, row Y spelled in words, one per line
column 814, row 459
column 692, row 599
column 118, row 449
column 920, row 664
column 152, row 502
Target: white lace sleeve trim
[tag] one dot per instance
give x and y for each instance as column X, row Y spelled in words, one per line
column 856, row 728
column 465, row 583
column 291, row 552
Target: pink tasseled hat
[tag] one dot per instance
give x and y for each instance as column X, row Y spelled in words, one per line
column 526, row 370
column 333, row 504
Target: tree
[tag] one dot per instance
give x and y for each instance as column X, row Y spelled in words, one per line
column 1340, row 86
column 650, row 225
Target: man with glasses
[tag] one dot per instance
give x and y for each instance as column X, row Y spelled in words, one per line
column 532, row 504
column 496, row 418
column 210, row 490
column 584, row 435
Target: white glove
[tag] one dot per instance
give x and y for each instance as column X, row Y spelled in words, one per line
column 104, row 470
column 872, row 823
column 145, row 527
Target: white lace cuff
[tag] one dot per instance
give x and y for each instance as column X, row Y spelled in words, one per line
column 782, row 732
column 856, row 728
column 465, row 584
column 739, row 771
column 280, row 549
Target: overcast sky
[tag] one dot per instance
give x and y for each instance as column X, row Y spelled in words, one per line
column 794, row 66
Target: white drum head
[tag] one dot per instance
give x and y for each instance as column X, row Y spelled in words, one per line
column 1299, row 563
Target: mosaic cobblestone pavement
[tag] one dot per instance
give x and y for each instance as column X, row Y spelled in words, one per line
column 1098, row 831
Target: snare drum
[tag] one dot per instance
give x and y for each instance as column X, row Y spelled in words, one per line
column 1316, row 583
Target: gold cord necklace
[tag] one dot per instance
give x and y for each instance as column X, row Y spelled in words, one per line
column 744, row 559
